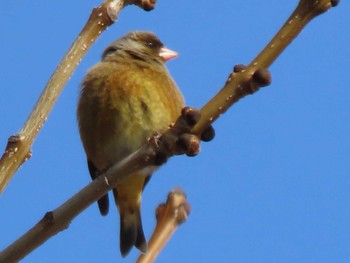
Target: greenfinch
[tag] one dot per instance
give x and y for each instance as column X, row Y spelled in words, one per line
column 126, row 98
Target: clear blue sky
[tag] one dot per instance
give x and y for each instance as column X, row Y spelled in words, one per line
column 272, row 187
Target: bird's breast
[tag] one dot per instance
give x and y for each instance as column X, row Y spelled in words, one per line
column 128, row 106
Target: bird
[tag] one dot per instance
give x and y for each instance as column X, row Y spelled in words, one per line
column 125, row 99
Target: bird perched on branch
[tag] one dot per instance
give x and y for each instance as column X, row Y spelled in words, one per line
column 125, row 99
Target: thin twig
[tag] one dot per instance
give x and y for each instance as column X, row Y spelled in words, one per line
column 234, row 88
column 169, row 217
column 18, row 147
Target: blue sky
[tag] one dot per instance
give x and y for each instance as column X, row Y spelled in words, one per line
column 272, row 187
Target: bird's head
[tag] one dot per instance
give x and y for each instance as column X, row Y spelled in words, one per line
column 139, row 45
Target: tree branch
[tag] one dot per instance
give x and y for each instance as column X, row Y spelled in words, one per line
column 169, row 217
column 18, row 147
column 239, row 84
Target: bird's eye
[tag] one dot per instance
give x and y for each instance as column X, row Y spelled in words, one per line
column 151, row 44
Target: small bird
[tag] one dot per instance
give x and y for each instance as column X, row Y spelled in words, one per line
column 126, row 98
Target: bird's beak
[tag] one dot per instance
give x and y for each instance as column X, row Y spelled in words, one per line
column 167, row 54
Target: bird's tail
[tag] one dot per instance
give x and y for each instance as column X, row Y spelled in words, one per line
column 131, row 232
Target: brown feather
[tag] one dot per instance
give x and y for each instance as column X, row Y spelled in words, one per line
column 125, row 99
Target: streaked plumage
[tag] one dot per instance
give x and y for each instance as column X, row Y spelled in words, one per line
column 126, row 98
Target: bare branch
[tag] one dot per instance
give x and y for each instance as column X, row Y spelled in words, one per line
column 239, row 84
column 54, row 222
column 18, row 147
column 169, row 217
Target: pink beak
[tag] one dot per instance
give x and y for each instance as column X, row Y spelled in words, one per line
column 167, row 54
